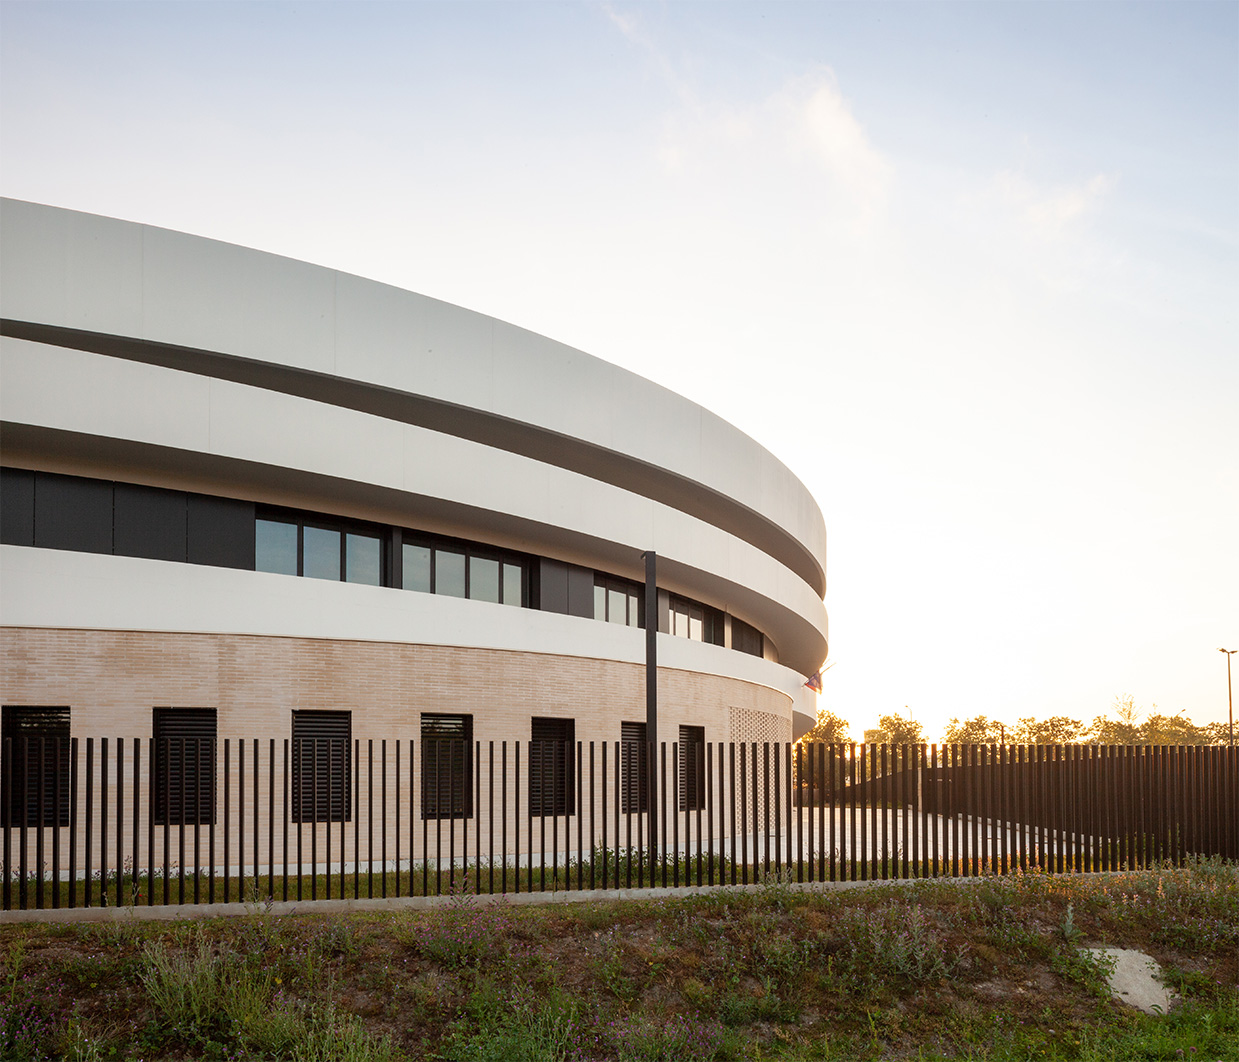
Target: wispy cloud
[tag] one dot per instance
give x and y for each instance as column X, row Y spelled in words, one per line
column 633, row 30
column 1049, row 213
column 822, row 123
column 802, row 141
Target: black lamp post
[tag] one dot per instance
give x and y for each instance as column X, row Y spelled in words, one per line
column 651, row 696
column 1230, row 704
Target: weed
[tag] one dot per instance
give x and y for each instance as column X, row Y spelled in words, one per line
column 195, row 993
column 897, row 941
column 26, row 1027
column 1090, row 970
column 609, row 969
column 775, row 887
column 679, row 1039
column 1070, row 933
column 464, row 935
column 507, row 1025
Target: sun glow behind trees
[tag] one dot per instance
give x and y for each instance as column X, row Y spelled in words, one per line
column 1123, row 725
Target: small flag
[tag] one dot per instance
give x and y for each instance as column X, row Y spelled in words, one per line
column 815, row 683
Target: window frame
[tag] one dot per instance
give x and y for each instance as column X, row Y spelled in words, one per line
column 634, row 599
column 692, row 792
column 171, row 801
column 436, row 544
column 432, row 794
column 334, row 792
column 325, row 522
column 711, row 619
column 747, row 631
column 562, row 767
column 634, row 769
column 20, row 795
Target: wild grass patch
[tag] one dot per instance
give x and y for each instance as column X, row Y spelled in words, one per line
column 992, row 969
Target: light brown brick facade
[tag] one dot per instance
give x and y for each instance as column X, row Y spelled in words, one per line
column 112, row 680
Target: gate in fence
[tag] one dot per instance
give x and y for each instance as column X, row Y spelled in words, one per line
column 200, row 820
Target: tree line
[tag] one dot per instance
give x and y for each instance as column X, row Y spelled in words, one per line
column 1121, row 726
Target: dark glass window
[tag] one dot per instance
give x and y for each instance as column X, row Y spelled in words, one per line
column 449, row 573
column 691, row 619
column 513, row 584
column 322, row 766
column 746, row 639
column 551, row 761
column 34, row 746
column 447, row 766
column 618, row 600
column 275, row 547
column 484, row 579
column 634, row 768
column 321, row 559
column 458, row 569
column 692, row 751
column 417, row 567
column 363, row 559
column 184, row 765
column 318, row 547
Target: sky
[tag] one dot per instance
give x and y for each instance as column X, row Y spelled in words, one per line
column 970, row 270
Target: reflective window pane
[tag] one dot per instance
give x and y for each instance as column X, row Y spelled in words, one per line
column 416, row 567
column 275, row 547
column 361, row 559
column 600, row 602
column 679, row 621
column 634, row 610
column 449, row 573
column 617, row 606
column 695, row 625
column 322, row 553
column 483, row 579
column 513, row 585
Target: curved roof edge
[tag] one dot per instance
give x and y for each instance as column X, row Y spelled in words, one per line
column 154, row 295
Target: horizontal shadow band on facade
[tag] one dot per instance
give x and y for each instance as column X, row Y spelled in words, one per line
column 529, row 440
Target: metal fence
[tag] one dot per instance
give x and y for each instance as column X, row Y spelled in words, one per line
column 202, row 820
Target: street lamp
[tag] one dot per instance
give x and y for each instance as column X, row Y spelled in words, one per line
column 1230, row 704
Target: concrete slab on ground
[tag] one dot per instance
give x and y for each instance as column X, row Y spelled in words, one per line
column 1136, row 979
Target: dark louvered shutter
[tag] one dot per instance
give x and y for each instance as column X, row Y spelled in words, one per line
column 35, row 750
column 184, row 765
column 322, row 766
column 692, row 768
column 634, row 767
column 551, row 752
column 447, row 766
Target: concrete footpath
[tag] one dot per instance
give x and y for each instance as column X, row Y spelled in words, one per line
column 185, row 912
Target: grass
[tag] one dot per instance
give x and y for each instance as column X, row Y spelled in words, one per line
column 624, row 868
column 991, row 970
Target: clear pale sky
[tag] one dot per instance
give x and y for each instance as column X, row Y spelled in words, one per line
column 970, row 270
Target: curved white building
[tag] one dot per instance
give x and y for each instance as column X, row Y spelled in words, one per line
column 260, row 488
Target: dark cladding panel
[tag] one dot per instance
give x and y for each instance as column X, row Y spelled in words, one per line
column 553, row 586
column 221, row 532
column 150, row 522
column 580, row 591
column 72, row 513
column 16, row 507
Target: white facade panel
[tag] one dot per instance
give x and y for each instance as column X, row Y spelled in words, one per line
column 202, row 294
column 138, row 356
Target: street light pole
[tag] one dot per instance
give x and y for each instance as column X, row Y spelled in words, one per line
column 651, row 698
column 1230, row 703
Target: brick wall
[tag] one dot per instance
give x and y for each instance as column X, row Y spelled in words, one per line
column 111, row 680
